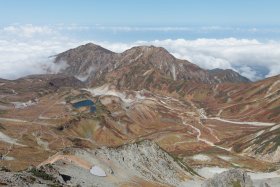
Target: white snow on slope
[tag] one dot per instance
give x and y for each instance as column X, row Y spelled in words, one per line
column 7, row 139
column 244, row 122
column 227, row 158
column 269, row 91
column 201, row 157
column 97, row 171
column 274, row 127
column 174, row 72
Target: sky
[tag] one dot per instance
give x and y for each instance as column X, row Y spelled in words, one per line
column 243, row 35
column 141, row 12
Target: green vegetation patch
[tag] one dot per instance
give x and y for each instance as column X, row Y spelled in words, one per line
column 41, row 174
column 181, row 163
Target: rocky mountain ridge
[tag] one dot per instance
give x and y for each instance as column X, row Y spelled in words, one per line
column 138, row 65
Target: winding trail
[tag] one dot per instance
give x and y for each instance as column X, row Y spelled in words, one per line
column 202, row 116
column 199, row 138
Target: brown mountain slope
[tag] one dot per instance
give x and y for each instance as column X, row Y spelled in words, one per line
column 139, row 65
column 51, row 122
column 258, row 101
column 227, row 75
column 85, row 60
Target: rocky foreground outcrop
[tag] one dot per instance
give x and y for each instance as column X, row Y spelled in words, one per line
column 136, row 164
column 230, row 178
column 41, row 176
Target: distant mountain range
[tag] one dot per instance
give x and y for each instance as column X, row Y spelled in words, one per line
column 143, row 66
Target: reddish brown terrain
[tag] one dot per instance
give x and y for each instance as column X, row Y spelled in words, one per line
column 196, row 117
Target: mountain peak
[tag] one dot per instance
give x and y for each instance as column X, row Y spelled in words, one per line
column 85, row 60
column 152, row 53
column 227, row 75
column 149, row 49
column 92, row 47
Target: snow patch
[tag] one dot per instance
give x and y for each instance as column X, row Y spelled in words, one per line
column 201, row 157
column 244, row 122
column 7, row 139
column 135, row 59
column 269, row 91
column 174, row 72
column 9, row 158
column 209, row 172
column 40, row 142
column 260, row 133
column 274, row 127
column 97, row 171
column 227, row 158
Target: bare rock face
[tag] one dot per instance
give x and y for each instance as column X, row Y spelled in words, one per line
column 228, row 75
column 86, row 59
column 161, row 61
column 43, row 176
column 230, row 178
column 147, row 160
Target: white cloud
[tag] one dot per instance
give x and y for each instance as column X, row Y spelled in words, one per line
column 133, row 29
column 251, row 58
column 19, row 58
column 28, row 30
column 28, row 52
column 249, row 73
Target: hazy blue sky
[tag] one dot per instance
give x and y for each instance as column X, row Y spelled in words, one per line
column 142, row 12
column 130, row 20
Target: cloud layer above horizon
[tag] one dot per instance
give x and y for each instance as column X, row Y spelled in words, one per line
column 25, row 49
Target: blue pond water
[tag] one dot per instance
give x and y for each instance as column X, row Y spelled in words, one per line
column 84, row 103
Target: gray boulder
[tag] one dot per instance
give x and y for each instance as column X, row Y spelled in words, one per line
column 230, row 178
